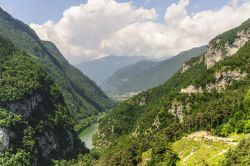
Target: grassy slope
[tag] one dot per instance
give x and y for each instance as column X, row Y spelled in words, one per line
column 240, row 156
column 200, row 148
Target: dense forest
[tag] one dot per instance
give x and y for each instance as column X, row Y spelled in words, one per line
column 82, row 96
column 36, row 125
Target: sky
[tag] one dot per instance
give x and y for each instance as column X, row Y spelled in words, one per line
column 39, row 11
column 90, row 29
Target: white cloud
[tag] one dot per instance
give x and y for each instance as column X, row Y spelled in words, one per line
column 82, row 28
column 176, row 12
column 104, row 27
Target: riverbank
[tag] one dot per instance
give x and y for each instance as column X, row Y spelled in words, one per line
column 87, row 134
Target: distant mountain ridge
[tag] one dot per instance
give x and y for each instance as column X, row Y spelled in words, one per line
column 100, row 69
column 144, row 75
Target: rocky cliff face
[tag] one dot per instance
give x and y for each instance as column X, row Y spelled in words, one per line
column 142, row 101
column 48, row 142
column 177, row 110
column 185, row 68
column 53, row 142
column 4, row 139
column 191, row 89
column 53, row 146
column 216, row 52
column 26, row 106
column 225, row 78
column 102, row 140
column 34, row 119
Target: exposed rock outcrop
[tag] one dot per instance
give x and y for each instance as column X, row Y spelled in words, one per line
column 102, row 141
column 222, row 80
column 142, row 101
column 51, row 145
column 26, row 106
column 225, row 78
column 191, row 89
column 185, row 68
column 177, row 110
column 4, row 139
column 53, row 141
column 47, row 142
column 216, row 54
column 156, row 122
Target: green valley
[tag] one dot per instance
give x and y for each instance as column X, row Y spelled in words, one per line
column 192, row 109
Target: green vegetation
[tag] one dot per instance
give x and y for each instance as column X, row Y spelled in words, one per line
column 229, row 36
column 81, row 160
column 202, row 149
column 31, row 110
column 83, row 124
column 144, row 122
column 25, row 80
column 149, row 128
column 21, row 151
column 145, row 75
column 82, row 96
column 240, row 155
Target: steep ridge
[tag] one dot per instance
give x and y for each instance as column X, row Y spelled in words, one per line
column 146, row 76
column 217, row 99
column 35, row 123
column 82, row 96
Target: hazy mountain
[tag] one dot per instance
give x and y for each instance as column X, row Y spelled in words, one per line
column 100, row 69
column 145, row 75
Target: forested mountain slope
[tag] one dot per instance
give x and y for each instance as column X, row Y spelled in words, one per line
column 117, row 83
column 143, row 76
column 35, row 123
column 212, row 94
column 82, row 96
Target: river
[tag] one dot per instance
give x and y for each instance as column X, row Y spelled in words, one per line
column 86, row 135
